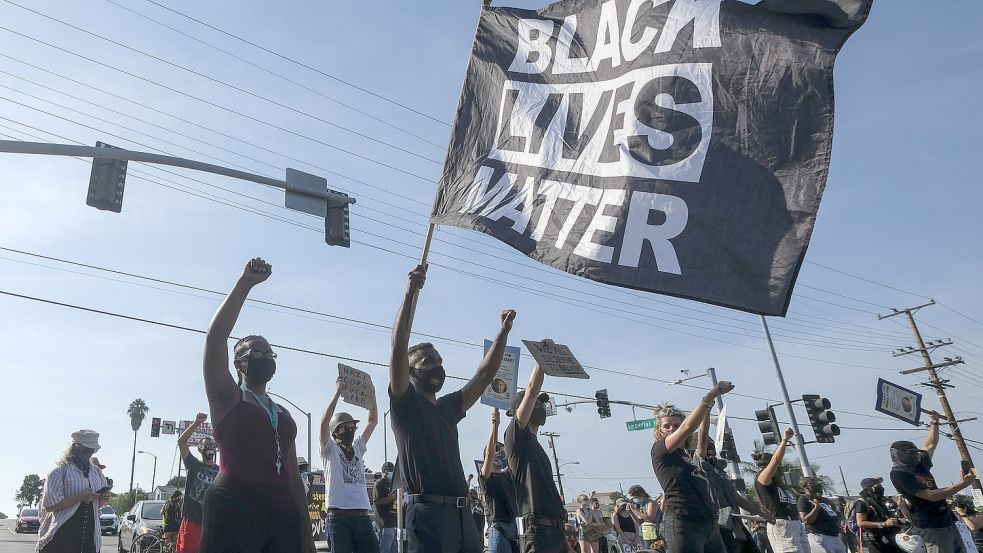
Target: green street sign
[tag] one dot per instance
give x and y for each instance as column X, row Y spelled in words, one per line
column 640, row 424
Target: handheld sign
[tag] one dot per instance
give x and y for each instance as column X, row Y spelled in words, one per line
column 501, row 391
column 900, row 403
column 721, row 427
column 555, row 359
column 356, row 387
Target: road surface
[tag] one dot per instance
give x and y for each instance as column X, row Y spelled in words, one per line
column 25, row 543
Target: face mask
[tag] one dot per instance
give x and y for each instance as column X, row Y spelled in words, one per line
column 346, row 436
column 388, row 474
column 637, row 501
column 430, row 380
column 260, row 371
column 208, row 454
column 538, row 417
column 585, row 505
column 878, row 491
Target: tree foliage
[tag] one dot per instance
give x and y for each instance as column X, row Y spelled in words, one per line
column 177, row 482
column 30, row 490
column 123, row 502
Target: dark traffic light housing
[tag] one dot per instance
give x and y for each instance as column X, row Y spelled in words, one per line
column 603, row 404
column 821, row 418
column 106, row 182
column 155, row 427
column 768, row 425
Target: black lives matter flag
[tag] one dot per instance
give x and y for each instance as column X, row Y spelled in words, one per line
column 675, row 146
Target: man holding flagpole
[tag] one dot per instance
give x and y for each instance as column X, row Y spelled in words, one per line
column 428, row 466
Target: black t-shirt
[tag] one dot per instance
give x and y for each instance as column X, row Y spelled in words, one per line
column 429, row 459
column 200, row 477
column 826, row 521
column 499, row 492
column 530, row 466
column 626, row 523
column 924, row 514
column 382, row 488
column 776, row 500
column 685, row 485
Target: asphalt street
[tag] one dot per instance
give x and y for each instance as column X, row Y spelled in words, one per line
column 11, row 542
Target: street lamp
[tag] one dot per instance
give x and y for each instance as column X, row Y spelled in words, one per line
column 153, row 478
column 310, row 461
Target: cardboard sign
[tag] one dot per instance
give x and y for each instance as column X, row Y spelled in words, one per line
column 900, row 403
column 167, row 427
column 721, row 427
column 356, row 387
column 556, row 359
column 201, row 433
column 501, row 391
column 978, row 498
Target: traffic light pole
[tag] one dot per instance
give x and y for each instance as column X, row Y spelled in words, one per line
column 735, row 471
column 799, row 443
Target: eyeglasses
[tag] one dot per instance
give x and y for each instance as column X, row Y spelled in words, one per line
column 258, row 355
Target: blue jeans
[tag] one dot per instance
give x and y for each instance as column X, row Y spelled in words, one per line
column 352, row 533
column 387, row 540
column 503, row 537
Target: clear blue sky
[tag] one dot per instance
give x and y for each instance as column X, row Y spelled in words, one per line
column 900, row 209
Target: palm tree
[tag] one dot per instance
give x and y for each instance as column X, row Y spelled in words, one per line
column 137, row 411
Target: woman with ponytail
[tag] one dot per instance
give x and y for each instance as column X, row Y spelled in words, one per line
column 257, row 503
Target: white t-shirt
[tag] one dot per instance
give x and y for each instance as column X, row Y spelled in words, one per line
column 344, row 479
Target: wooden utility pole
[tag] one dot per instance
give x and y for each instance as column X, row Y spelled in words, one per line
column 556, row 462
column 933, row 376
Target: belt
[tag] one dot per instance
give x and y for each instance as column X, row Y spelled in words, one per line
column 459, row 502
column 348, row 512
column 552, row 522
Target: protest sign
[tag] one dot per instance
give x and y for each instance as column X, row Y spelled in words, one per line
column 721, row 427
column 356, row 387
column 680, row 147
column 555, row 359
column 502, row 388
column 201, row 433
column 900, row 403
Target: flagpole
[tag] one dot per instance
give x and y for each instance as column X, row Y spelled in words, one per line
column 423, row 261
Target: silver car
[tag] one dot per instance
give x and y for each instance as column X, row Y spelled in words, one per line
column 143, row 520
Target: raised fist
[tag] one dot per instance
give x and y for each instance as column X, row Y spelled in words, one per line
column 256, row 271
column 418, row 277
column 508, row 316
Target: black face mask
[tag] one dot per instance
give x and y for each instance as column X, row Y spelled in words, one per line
column 260, row 371
column 538, row 417
column 878, row 491
column 430, row 380
column 346, row 436
column 208, row 454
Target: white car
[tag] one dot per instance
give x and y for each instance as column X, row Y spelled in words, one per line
column 108, row 521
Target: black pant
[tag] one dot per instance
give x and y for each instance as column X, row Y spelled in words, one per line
column 691, row 536
column 351, row 532
column 544, row 539
column 245, row 517
column 439, row 528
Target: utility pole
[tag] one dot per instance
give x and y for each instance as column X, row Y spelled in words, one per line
column 933, row 375
column 845, row 488
column 799, row 443
column 734, row 469
column 556, row 462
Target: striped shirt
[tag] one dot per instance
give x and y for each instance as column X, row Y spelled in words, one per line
column 66, row 481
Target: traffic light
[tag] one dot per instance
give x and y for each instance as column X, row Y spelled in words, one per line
column 768, row 425
column 603, row 404
column 821, row 418
column 336, row 223
column 728, row 449
column 106, row 182
column 155, row 427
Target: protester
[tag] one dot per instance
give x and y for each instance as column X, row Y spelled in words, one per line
column 349, row 512
column 70, row 501
column 257, row 502
column 689, row 523
column 930, row 515
column 499, row 490
column 876, row 526
column 590, row 522
column 543, row 514
column 648, row 512
column 626, row 524
column 385, row 507
column 972, row 519
column 438, row 519
column 759, row 534
column 201, row 474
column 171, row 515
column 786, row 534
column 820, row 519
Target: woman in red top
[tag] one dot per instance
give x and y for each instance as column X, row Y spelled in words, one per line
column 257, row 503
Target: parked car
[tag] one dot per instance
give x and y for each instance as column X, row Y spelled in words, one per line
column 142, row 520
column 108, row 521
column 27, row 521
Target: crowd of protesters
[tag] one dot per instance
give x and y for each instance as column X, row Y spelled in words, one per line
column 256, row 500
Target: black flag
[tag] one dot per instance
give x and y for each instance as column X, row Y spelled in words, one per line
column 675, row 146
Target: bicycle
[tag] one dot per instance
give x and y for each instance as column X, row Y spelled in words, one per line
column 152, row 543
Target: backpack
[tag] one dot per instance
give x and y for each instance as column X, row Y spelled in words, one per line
column 851, row 519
